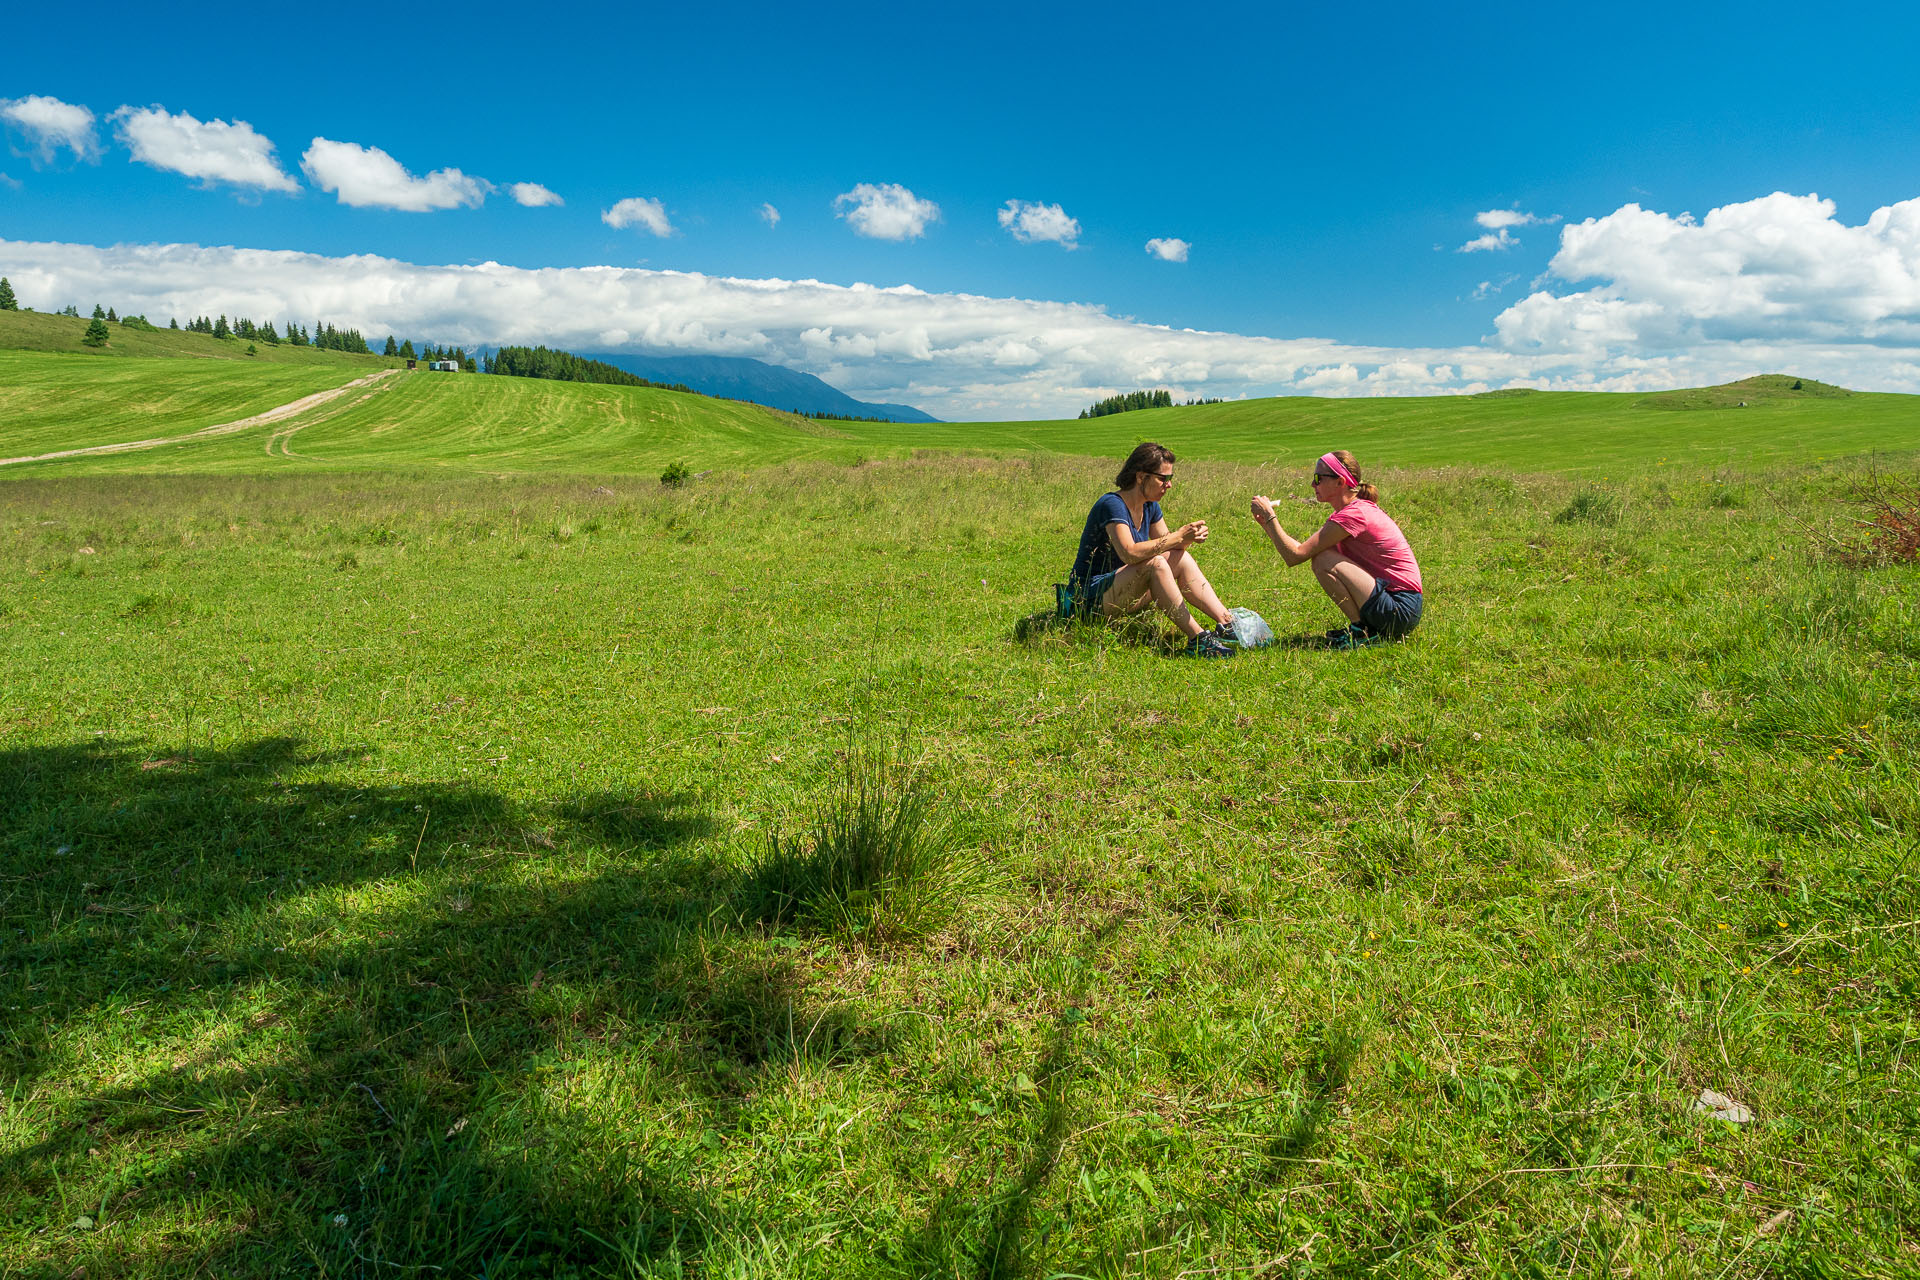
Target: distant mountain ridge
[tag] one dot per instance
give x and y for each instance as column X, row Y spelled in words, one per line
column 741, row 378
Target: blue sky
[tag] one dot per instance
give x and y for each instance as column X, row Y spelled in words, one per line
column 1323, row 168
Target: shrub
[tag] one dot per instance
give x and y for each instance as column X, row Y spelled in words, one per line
column 1590, row 506
column 96, row 334
column 676, row 475
column 875, row 864
column 1889, row 531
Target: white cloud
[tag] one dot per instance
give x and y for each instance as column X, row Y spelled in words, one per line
column 367, row 177
column 1775, row 285
column 887, row 211
column 1030, row 222
column 1501, row 239
column 50, row 124
column 1495, row 219
column 769, row 215
column 1777, row 269
column 214, row 151
column 533, row 195
column 1169, row 249
column 645, row 211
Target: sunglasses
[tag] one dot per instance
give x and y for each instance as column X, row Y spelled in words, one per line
column 1163, row 479
column 1318, row 476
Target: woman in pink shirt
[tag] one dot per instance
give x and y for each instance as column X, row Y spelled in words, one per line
column 1359, row 555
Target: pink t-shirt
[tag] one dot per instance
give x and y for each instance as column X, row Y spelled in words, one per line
column 1375, row 543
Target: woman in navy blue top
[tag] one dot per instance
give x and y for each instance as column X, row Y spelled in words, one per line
column 1128, row 559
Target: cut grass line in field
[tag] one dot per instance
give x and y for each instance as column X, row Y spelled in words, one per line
column 276, row 414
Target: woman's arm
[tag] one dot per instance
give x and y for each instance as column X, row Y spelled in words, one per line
column 1131, row 552
column 1293, row 551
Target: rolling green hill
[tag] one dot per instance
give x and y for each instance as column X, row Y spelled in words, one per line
column 1575, row 432
column 56, row 395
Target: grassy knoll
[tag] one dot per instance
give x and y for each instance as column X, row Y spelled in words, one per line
column 511, row 425
column 386, row 879
column 1585, row 433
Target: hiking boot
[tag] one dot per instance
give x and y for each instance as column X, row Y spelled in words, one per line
column 1205, row 646
column 1225, row 633
column 1353, row 636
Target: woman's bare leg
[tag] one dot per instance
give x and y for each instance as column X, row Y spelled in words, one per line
column 1150, row 581
column 1195, row 587
column 1344, row 581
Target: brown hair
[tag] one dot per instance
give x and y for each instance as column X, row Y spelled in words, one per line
column 1361, row 489
column 1145, row 457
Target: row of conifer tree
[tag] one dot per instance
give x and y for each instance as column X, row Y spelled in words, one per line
column 1138, row 400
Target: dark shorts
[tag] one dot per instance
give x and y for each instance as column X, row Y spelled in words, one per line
column 1088, row 595
column 1391, row 612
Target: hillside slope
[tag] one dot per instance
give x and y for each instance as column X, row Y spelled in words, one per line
column 52, row 401
column 457, row 421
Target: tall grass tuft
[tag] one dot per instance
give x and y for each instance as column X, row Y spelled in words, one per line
column 1590, row 506
column 876, row 864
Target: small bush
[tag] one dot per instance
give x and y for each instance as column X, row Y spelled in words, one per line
column 1590, row 506
column 1889, row 531
column 676, row 475
column 875, row 865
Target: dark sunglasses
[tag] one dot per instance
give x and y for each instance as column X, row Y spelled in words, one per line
column 1163, row 479
column 1318, row 476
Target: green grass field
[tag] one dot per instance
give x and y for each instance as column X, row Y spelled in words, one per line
column 390, row 878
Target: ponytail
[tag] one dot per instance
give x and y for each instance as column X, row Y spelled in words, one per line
column 1361, row 489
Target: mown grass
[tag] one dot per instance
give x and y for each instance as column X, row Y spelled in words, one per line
column 501, row 426
column 385, row 884
column 53, row 403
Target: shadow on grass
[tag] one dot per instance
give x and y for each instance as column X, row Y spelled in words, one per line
column 344, row 1029
column 990, row 1235
column 1140, row 631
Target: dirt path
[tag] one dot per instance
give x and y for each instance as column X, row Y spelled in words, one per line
column 277, row 414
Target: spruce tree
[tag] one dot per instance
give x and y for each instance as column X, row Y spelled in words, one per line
column 173, row 323
column 7, row 301
column 96, row 335
column 406, row 350
column 393, row 348
column 98, row 314
column 220, row 329
column 110, row 316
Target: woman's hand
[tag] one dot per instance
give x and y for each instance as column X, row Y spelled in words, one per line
column 1196, row 531
column 1262, row 508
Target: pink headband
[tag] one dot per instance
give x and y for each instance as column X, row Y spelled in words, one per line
column 1332, row 464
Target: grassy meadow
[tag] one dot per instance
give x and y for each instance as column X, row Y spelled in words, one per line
column 407, row 854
